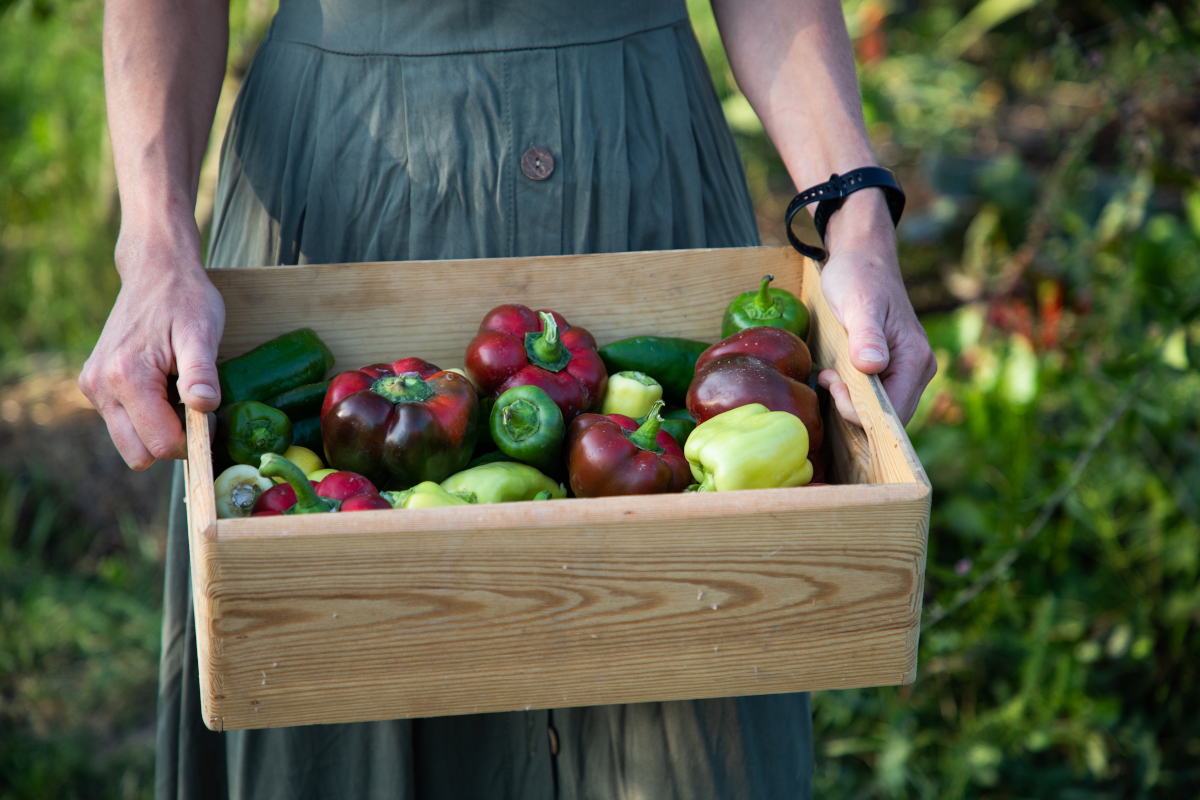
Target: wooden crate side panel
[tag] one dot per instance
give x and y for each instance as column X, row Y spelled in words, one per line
column 377, row 625
column 202, row 533
column 431, row 309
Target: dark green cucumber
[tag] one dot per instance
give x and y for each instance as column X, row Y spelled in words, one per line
column 303, row 401
column 668, row 360
column 307, row 433
column 285, row 362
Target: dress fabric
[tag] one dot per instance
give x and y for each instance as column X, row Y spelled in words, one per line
column 369, row 130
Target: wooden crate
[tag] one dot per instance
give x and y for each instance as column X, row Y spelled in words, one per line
column 391, row 614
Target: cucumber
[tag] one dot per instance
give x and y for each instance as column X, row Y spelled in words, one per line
column 668, row 360
column 307, row 433
column 285, row 362
column 303, row 401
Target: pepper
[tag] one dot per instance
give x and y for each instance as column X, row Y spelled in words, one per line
column 307, row 433
column 776, row 308
column 237, row 489
column 301, row 402
column 502, row 482
column 517, row 347
column 606, row 458
column 253, row 428
column 527, row 426
column 425, row 494
column 283, row 363
column 307, row 499
column 669, row 360
column 758, row 365
column 402, row 429
column 749, row 447
column 631, row 393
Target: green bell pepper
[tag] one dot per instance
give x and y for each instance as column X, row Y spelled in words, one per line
column 528, row 426
column 775, row 308
column 253, row 429
column 425, row 494
column 749, row 447
column 631, row 393
column 503, row 482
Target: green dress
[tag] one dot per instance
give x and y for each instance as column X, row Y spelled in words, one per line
column 381, row 130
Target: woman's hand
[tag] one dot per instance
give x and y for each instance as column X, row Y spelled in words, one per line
column 167, row 320
column 864, row 289
column 163, row 68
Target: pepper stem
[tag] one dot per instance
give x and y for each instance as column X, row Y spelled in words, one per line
column 307, row 500
column 646, row 436
column 521, row 420
column 763, row 300
column 406, row 388
column 546, row 348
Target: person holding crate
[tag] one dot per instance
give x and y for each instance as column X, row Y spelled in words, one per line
column 471, row 128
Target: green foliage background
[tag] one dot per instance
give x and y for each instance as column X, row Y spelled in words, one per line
column 1052, row 245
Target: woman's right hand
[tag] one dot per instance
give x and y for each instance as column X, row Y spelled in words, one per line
column 168, row 320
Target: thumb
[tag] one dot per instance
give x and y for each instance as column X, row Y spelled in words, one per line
column 199, row 387
column 864, row 327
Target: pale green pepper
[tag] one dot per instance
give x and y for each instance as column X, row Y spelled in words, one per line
column 503, row 482
column 631, row 393
column 425, row 494
column 749, row 447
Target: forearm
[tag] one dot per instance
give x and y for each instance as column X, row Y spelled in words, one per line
column 164, row 63
column 794, row 62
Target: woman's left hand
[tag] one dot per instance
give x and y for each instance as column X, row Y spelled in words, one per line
column 864, row 288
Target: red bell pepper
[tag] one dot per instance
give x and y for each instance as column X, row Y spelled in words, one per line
column 403, row 428
column 612, row 455
column 757, row 365
column 517, row 347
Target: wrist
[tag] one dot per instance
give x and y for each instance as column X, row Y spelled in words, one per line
column 162, row 248
column 862, row 222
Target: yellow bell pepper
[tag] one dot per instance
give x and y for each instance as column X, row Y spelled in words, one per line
column 749, row 447
column 630, row 393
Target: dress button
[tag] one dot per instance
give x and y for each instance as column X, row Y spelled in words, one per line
column 537, row 163
column 553, row 739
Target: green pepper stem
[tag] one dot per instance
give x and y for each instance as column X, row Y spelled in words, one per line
column 407, row 388
column 646, row 436
column 547, row 346
column 521, row 420
column 763, row 300
column 307, row 500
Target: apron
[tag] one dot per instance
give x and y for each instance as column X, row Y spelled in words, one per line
column 381, row 130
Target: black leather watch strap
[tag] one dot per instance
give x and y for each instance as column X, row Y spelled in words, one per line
column 830, row 195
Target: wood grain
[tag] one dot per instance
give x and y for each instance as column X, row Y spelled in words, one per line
column 388, row 614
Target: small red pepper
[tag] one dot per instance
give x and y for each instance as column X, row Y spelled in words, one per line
column 517, row 347
column 757, row 365
column 612, row 455
column 343, row 485
column 364, row 502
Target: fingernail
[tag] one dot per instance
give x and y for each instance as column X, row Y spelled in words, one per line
column 203, row 391
column 870, row 354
